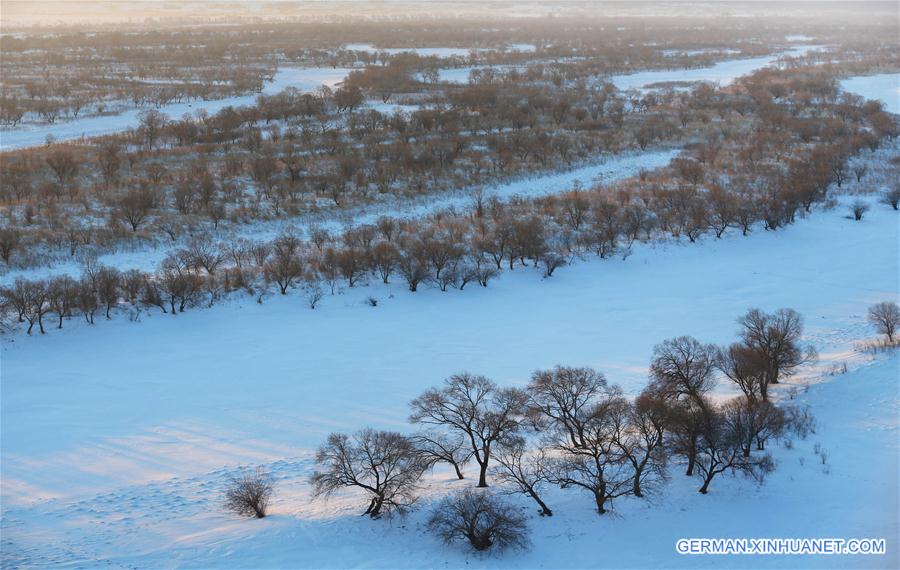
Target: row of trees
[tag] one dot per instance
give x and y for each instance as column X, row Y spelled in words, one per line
column 591, row 436
column 446, row 250
column 570, row 428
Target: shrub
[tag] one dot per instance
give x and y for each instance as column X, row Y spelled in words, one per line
column 249, row 494
column 481, row 518
column 858, row 208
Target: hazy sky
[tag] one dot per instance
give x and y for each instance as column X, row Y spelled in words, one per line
column 15, row 13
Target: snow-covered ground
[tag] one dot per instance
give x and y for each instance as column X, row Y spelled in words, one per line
column 117, row 438
column 884, row 87
column 722, row 73
column 305, row 79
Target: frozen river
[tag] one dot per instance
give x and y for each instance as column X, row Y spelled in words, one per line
column 722, row 73
column 884, row 87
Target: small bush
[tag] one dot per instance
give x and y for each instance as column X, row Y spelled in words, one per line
column 481, row 518
column 249, row 494
column 858, row 209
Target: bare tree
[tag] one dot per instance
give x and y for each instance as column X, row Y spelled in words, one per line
column 384, row 258
column 384, row 464
column 30, row 299
column 10, row 241
column 683, row 367
column 477, row 408
column 249, row 494
column 203, row 253
column 87, row 300
column 63, row 165
column 744, row 366
column 62, row 295
column 134, row 207
column 682, row 372
column 687, row 422
column 719, row 450
column 526, row 470
column 108, row 287
column 565, row 396
column 641, row 439
column 885, row 317
column 151, row 125
column 284, row 266
column 596, row 465
column 480, row 518
column 436, row 447
column 412, row 263
column 776, row 337
column 753, row 422
column 177, row 282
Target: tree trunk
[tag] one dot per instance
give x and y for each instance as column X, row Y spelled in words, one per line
column 545, row 510
column 600, row 499
column 637, row 482
column 706, row 482
column 374, row 509
column 482, row 475
column 459, row 473
column 692, row 458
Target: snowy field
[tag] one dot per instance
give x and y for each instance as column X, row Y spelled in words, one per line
column 884, row 87
column 118, row 438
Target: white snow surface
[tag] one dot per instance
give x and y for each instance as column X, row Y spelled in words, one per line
column 723, row 73
column 117, row 439
column 884, row 87
column 305, row 79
